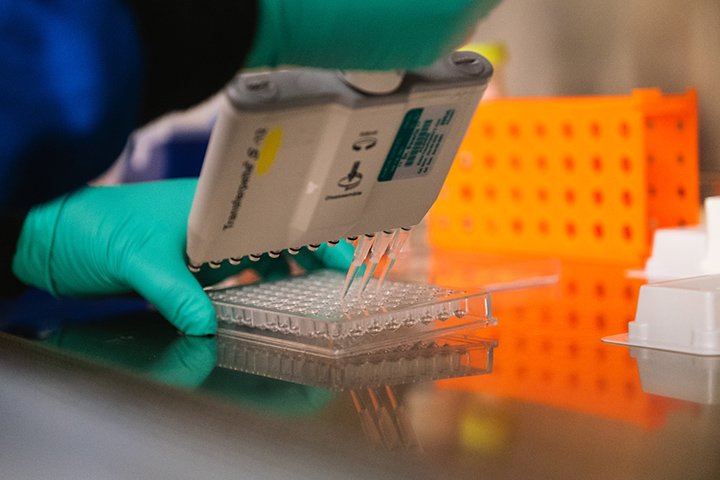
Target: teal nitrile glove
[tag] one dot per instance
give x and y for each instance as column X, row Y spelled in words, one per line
column 108, row 240
column 369, row 35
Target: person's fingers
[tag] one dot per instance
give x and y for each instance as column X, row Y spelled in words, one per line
column 177, row 295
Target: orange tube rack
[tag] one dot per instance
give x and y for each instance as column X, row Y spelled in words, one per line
column 584, row 177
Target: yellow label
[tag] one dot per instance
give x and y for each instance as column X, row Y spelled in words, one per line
column 270, row 147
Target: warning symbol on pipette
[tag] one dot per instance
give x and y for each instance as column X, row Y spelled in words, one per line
column 352, row 179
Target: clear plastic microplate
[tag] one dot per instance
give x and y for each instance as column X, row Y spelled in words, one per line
column 308, row 314
column 448, row 356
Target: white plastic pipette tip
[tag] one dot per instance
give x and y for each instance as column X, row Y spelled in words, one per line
column 361, row 252
column 369, row 271
column 383, row 274
column 379, row 246
column 349, row 279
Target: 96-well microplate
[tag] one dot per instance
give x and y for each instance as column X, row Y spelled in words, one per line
column 307, row 312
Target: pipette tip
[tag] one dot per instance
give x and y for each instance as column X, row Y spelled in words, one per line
column 349, row 279
column 369, row 271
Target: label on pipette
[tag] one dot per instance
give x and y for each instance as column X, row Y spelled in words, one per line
column 417, row 143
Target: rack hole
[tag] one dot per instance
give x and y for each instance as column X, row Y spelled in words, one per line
column 624, row 129
column 542, row 195
column 627, row 232
column 466, row 193
column 570, row 229
column 567, row 130
column 569, row 196
column 652, row 191
column 542, row 162
column 515, row 162
column 466, row 160
column 625, row 164
column 517, row 226
column 600, row 322
column 597, row 163
column 680, row 125
column 598, row 230
column 540, row 130
column 630, row 389
column 491, row 226
column 489, row 161
column 680, row 158
column 569, row 163
column 681, row 191
column 516, row 193
column 514, row 130
column 628, row 293
column 597, row 197
column 626, row 198
column 490, row 192
column 601, row 384
column 544, row 227
column 595, row 129
column 601, row 354
column 468, row 223
column 489, row 130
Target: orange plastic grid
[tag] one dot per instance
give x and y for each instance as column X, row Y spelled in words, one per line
column 585, row 177
column 550, row 351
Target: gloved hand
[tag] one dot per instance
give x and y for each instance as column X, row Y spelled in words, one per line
column 369, row 35
column 108, row 240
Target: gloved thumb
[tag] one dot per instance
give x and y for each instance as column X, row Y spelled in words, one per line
column 175, row 292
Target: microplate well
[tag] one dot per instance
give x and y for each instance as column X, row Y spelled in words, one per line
column 307, row 313
column 447, row 356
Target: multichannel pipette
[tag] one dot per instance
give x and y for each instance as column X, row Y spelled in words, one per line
column 299, row 157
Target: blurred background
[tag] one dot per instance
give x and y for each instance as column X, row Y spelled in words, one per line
column 582, row 47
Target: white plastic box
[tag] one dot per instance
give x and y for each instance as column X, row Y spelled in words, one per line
column 677, row 315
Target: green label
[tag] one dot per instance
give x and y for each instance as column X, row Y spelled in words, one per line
column 417, row 143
